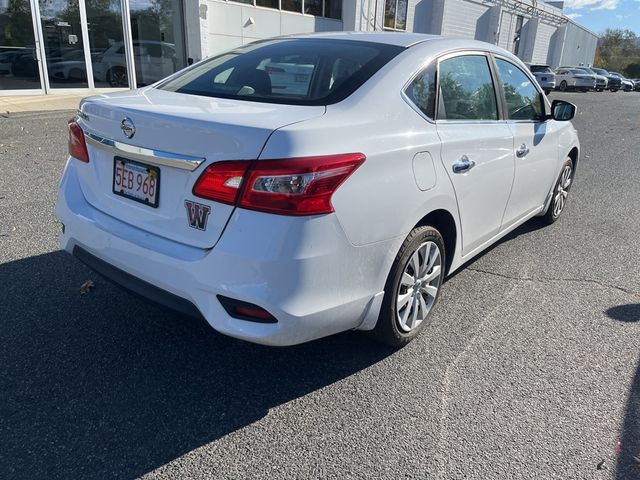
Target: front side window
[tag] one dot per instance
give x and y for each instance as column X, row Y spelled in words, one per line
column 422, row 91
column 395, row 14
column 524, row 101
column 466, row 89
column 292, row 71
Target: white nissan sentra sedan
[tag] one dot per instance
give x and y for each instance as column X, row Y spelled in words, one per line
column 301, row 186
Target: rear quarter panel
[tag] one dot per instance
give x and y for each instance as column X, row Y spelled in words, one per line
column 381, row 200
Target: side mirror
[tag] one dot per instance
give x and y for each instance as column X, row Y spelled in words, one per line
column 562, row 111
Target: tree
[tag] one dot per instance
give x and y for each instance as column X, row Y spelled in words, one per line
column 617, row 49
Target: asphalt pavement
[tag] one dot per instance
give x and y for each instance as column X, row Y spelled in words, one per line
column 529, row 368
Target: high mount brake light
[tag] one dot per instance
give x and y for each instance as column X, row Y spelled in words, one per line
column 293, row 186
column 77, row 143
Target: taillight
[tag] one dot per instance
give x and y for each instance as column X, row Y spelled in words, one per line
column 293, row 186
column 77, row 144
column 297, row 186
column 221, row 181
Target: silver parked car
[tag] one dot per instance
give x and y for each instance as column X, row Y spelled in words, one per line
column 544, row 76
column 574, row 79
column 601, row 80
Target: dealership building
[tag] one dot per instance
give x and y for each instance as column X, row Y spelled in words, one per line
column 77, row 46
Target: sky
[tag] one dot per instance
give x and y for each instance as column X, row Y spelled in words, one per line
column 597, row 15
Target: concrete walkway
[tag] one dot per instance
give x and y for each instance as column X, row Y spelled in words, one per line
column 38, row 103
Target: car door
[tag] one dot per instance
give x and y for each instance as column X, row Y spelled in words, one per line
column 477, row 147
column 535, row 141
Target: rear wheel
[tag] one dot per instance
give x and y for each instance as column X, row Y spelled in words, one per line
column 563, row 86
column 547, row 91
column 412, row 287
column 560, row 192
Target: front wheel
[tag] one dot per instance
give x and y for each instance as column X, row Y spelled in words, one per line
column 560, row 192
column 412, row 287
column 563, row 86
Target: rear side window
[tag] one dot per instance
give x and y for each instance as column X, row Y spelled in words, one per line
column 524, row 101
column 422, row 91
column 540, row 69
column 466, row 89
column 295, row 71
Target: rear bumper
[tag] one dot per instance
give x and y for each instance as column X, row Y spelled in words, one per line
column 302, row 270
column 547, row 84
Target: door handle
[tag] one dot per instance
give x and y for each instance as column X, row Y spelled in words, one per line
column 523, row 151
column 463, row 165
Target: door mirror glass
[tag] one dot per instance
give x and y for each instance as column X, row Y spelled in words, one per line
column 562, row 111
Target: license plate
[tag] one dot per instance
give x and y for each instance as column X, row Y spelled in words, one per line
column 136, row 181
column 544, row 79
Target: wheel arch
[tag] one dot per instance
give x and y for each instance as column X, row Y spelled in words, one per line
column 574, row 155
column 443, row 221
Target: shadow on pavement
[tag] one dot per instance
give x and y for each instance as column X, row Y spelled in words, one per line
column 625, row 313
column 627, row 466
column 108, row 386
column 531, row 225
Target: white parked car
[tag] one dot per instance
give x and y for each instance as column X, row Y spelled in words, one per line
column 285, row 216
column 574, row 79
column 154, row 61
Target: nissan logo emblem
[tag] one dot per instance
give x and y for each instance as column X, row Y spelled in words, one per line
column 128, row 128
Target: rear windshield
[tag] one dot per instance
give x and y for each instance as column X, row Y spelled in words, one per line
column 296, row 71
column 600, row 71
column 540, row 69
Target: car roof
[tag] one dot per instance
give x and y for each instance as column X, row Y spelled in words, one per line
column 401, row 39
column 404, row 39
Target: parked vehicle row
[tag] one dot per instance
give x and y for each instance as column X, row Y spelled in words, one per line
column 154, row 60
column 581, row 78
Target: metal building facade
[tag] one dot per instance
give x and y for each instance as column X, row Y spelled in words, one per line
column 535, row 31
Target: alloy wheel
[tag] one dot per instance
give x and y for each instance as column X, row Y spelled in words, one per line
column 419, row 286
column 118, row 78
column 562, row 190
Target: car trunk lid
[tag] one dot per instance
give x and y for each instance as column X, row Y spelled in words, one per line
column 179, row 135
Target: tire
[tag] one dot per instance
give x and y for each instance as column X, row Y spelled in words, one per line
column 563, row 86
column 117, row 77
column 613, row 90
column 397, row 324
column 547, row 91
column 560, row 192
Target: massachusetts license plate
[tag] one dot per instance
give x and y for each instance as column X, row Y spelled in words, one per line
column 136, row 181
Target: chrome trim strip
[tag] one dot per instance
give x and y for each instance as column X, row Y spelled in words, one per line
column 156, row 157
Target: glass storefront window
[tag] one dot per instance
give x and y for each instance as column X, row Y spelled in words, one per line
column 313, row 7
column 158, row 39
column 333, row 9
column 267, row 3
column 106, row 40
column 19, row 69
column 292, row 5
column 63, row 47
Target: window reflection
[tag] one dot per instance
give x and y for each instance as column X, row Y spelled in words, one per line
column 466, row 89
column 106, row 39
column 18, row 61
column 63, row 46
column 158, row 39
